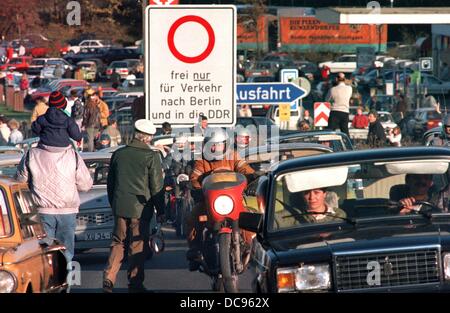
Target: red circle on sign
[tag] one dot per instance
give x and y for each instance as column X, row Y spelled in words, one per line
column 171, row 35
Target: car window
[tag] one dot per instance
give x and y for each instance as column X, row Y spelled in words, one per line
column 53, row 62
column 25, row 205
column 98, row 170
column 15, row 61
column 356, row 191
column 119, row 65
column 5, row 217
column 38, row 62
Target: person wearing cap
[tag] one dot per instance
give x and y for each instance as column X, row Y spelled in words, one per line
column 55, row 173
column 92, row 120
column 340, row 96
column 93, row 96
column 135, row 187
column 55, row 128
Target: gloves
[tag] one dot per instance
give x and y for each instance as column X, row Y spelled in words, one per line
column 197, row 195
column 251, row 188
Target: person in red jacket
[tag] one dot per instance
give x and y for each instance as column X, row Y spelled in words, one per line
column 325, row 73
column 360, row 120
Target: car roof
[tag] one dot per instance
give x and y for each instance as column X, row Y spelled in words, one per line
column 357, row 156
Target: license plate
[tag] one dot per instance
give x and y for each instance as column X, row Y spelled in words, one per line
column 97, row 236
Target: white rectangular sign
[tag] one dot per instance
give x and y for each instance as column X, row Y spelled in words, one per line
column 191, row 64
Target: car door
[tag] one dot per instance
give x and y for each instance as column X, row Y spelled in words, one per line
column 32, row 251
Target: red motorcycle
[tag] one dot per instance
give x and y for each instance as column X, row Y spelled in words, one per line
column 225, row 247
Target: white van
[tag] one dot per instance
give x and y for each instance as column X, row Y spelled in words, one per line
column 274, row 114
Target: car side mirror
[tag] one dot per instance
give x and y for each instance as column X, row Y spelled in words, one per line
column 251, row 221
column 30, row 219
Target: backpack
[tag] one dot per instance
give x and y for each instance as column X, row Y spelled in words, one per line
column 77, row 110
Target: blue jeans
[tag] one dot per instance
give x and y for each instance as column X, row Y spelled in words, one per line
column 61, row 227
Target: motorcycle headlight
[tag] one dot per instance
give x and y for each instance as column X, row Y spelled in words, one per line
column 7, row 282
column 304, row 278
column 223, row 205
column 446, row 261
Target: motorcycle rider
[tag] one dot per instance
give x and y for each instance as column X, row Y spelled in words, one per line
column 217, row 154
column 444, row 137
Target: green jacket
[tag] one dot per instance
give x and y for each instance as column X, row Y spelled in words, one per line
column 135, row 181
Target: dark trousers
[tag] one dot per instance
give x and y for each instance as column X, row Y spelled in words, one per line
column 135, row 233
column 338, row 120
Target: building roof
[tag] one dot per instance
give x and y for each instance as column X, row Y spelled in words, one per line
column 418, row 15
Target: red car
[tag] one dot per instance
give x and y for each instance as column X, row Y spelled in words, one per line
column 19, row 64
column 62, row 83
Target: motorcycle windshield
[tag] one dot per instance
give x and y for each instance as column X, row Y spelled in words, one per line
column 226, row 180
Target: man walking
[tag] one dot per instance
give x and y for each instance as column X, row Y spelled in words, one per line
column 135, row 186
column 55, row 175
column 339, row 96
column 376, row 137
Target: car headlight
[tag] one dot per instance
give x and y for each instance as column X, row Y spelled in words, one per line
column 7, row 282
column 304, row 278
column 446, row 261
column 223, row 205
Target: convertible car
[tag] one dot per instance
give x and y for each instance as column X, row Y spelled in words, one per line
column 342, row 222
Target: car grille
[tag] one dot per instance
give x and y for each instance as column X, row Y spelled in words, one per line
column 396, row 269
column 95, row 219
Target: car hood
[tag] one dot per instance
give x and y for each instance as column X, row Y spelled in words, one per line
column 95, row 198
column 324, row 244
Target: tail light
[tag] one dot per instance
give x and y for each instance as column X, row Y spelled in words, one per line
column 266, row 107
column 223, row 205
column 109, row 72
column 125, row 71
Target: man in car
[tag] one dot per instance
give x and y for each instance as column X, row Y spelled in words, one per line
column 418, row 187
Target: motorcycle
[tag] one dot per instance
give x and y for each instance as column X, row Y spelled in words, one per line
column 184, row 205
column 225, row 247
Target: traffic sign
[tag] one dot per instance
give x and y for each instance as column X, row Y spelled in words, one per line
column 163, row 2
column 321, row 113
column 426, row 64
column 268, row 93
column 289, row 76
column 190, row 64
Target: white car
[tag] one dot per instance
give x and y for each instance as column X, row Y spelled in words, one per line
column 346, row 63
column 89, row 44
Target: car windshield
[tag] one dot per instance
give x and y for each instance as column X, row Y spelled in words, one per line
column 119, row 65
column 5, row 217
column 37, row 62
column 54, row 62
column 364, row 190
column 433, row 115
column 15, row 61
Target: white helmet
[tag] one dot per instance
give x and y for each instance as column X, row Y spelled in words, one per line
column 213, row 137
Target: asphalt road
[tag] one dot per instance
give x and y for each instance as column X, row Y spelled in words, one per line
column 166, row 272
